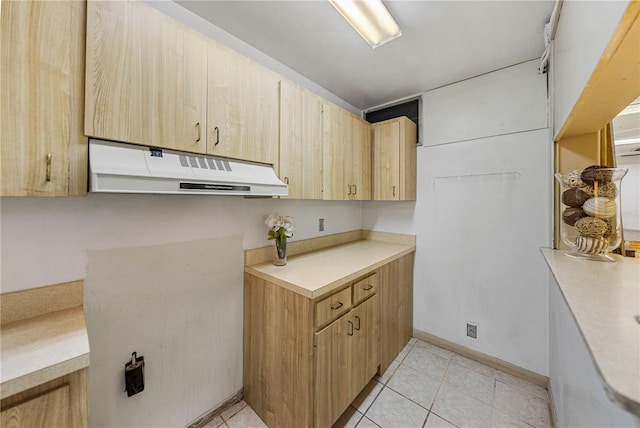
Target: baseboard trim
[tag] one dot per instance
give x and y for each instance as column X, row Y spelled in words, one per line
column 552, row 406
column 207, row 417
column 485, row 359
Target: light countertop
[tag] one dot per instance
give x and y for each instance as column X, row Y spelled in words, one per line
column 317, row 273
column 605, row 300
column 39, row 349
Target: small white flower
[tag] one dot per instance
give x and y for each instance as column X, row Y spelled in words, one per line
column 275, row 222
column 271, row 220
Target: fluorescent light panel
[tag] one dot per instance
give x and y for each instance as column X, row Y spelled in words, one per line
column 370, row 19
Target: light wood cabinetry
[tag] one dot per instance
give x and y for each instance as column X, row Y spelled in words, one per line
column 43, row 149
column 346, row 359
column 243, row 107
column 333, row 359
column 300, row 141
column 346, row 155
column 58, row 403
column 307, row 358
column 394, row 160
column 146, row 77
column 396, row 308
column 365, row 345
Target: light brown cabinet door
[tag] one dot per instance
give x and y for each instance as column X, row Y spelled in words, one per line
column 386, row 161
column 346, row 155
column 334, row 389
column 361, row 159
column 243, row 107
column 50, row 409
column 395, row 291
column 300, row 141
column 366, row 342
column 42, row 48
column 145, row 77
column 336, row 157
column 61, row 402
column 394, row 160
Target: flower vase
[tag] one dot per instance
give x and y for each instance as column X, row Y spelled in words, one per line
column 590, row 224
column 281, row 251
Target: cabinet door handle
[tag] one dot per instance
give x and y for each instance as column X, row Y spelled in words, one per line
column 358, row 319
column 217, row 135
column 368, row 287
column 286, row 180
column 351, row 325
column 336, row 306
column 349, row 186
column 49, row 155
column 198, row 128
column 355, row 189
column 394, row 190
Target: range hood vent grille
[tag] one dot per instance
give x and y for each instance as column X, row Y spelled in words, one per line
column 127, row 168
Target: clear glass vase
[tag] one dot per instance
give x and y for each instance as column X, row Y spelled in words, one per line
column 590, row 221
column 281, row 251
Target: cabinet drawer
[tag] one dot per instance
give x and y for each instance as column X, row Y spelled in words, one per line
column 333, row 306
column 365, row 288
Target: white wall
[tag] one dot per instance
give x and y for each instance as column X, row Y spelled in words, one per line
column 481, row 215
column 510, row 100
column 151, row 309
column 584, row 30
column 579, row 395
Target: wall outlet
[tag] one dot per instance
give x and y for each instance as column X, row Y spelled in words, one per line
column 472, row 331
column 321, row 225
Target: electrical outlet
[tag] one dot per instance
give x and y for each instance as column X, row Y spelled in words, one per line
column 472, row 331
column 321, row 225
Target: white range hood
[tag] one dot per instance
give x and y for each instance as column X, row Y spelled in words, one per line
column 127, row 168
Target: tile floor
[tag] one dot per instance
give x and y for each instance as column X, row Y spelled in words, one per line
column 427, row 386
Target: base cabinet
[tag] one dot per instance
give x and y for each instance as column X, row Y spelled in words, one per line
column 306, row 360
column 58, row 403
column 346, row 359
column 396, row 308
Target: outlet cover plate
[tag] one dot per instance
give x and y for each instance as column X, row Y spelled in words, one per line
column 472, row 331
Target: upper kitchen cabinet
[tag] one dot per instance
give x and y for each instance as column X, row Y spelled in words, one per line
column 243, row 107
column 394, row 160
column 346, row 155
column 300, row 141
column 146, row 77
column 43, row 149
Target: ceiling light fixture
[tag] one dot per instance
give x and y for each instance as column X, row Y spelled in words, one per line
column 370, row 19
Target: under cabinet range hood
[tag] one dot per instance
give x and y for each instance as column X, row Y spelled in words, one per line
column 127, row 168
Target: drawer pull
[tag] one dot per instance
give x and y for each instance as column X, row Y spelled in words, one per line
column 355, row 189
column 336, row 306
column 217, row 135
column 48, row 171
column 351, row 325
column 349, row 186
column 198, row 128
column 368, row 287
column 358, row 319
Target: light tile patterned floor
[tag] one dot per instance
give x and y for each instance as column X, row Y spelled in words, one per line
column 427, row 386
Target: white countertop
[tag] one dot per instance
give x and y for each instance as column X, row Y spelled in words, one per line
column 604, row 299
column 39, row 349
column 319, row 272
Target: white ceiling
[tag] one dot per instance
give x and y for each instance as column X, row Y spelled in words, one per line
column 442, row 42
